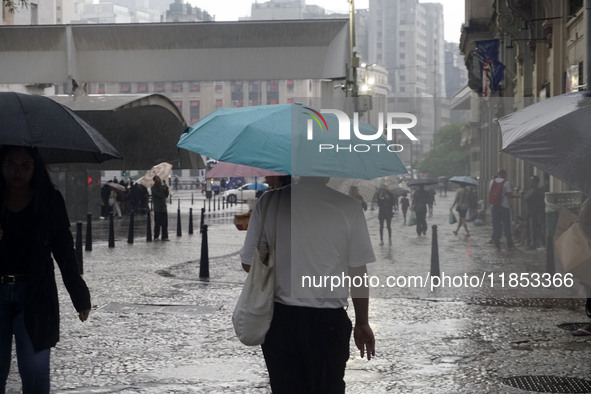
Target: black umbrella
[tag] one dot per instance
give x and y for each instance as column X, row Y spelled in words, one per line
column 555, row 136
column 423, row 181
column 57, row 132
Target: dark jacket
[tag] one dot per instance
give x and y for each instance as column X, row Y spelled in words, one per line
column 386, row 203
column 159, row 195
column 53, row 237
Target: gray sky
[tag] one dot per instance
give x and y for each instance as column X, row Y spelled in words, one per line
column 231, row 10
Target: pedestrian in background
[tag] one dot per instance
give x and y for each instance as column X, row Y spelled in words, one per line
column 386, row 202
column 431, row 201
column 461, row 202
column 114, row 202
column 34, row 227
column 472, row 195
column 307, row 346
column 159, row 194
column 499, row 194
column 404, row 204
column 420, row 199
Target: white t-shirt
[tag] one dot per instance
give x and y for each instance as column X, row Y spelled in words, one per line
column 321, row 232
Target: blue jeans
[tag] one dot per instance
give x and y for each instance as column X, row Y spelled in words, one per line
column 501, row 222
column 33, row 366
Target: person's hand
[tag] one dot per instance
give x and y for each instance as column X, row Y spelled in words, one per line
column 365, row 340
column 83, row 315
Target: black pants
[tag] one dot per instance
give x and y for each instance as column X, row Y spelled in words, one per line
column 161, row 222
column 421, row 214
column 306, row 350
column 388, row 220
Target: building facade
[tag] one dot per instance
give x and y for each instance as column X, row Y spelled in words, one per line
column 542, row 45
column 406, row 37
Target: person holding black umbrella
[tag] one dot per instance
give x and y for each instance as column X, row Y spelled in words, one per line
column 34, row 227
column 386, row 201
column 159, row 194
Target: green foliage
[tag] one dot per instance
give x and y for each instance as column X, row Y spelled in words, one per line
column 447, row 158
column 12, row 5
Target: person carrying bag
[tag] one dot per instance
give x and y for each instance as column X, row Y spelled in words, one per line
column 254, row 310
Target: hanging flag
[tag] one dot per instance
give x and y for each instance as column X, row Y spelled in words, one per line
column 492, row 70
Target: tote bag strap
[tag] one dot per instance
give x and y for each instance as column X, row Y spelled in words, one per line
column 274, row 198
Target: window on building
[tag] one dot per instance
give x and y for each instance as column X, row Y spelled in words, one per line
column 194, row 114
column 290, row 100
column 219, row 87
column 290, row 85
column 142, row 87
column 254, row 86
column 195, row 87
column 179, row 105
column 101, row 88
column 125, row 87
column 177, row 87
column 159, row 87
column 574, row 6
column 219, row 103
column 272, row 86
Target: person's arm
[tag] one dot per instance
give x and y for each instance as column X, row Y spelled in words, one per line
column 509, row 192
column 252, row 234
column 62, row 248
column 362, row 332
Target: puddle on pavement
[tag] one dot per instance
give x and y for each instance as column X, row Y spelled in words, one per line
column 150, row 308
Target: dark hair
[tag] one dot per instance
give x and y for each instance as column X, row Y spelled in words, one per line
column 41, row 182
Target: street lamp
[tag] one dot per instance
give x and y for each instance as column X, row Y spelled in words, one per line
column 369, row 79
column 364, row 102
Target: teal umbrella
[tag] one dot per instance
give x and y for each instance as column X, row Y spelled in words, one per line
column 293, row 139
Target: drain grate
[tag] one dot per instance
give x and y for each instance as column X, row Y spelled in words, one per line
column 572, row 326
column 549, row 384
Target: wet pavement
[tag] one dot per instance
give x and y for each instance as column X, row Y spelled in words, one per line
column 157, row 328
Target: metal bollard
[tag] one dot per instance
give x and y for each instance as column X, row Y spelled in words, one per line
column 88, row 246
column 130, row 232
column 204, row 261
column 192, row 198
column 434, row 253
column 219, row 198
column 79, row 247
column 149, row 227
column 179, row 232
column 202, row 220
column 209, row 205
column 214, row 198
column 111, row 231
column 190, row 221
